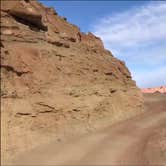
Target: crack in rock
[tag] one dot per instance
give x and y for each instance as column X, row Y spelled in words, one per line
column 10, row 68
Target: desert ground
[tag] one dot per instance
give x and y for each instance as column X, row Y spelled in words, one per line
column 140, row 140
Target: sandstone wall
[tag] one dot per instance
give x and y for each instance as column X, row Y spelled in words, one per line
column 55, row 80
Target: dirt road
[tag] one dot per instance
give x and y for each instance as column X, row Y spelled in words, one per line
column 136, row 141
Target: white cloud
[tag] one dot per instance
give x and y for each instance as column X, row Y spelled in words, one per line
column 149, row 56
column 138, row 36
column 135, row 26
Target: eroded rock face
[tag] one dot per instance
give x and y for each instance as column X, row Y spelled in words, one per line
column 25, row 13
column 90, row 40
column 161, row 89
column 56, row 80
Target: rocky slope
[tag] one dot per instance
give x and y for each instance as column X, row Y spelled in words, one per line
column 55, row 80
column 161, row 89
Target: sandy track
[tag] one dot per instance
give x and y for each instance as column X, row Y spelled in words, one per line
column 124, row 143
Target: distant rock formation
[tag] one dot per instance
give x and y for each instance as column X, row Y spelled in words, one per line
column 55, row 80
column 161, row 89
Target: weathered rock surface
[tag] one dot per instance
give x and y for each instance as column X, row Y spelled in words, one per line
column 161, row 89
column 55, row 80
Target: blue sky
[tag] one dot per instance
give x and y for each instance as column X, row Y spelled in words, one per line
column 134, row 31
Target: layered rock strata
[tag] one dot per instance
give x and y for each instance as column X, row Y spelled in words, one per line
column 56, row 81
